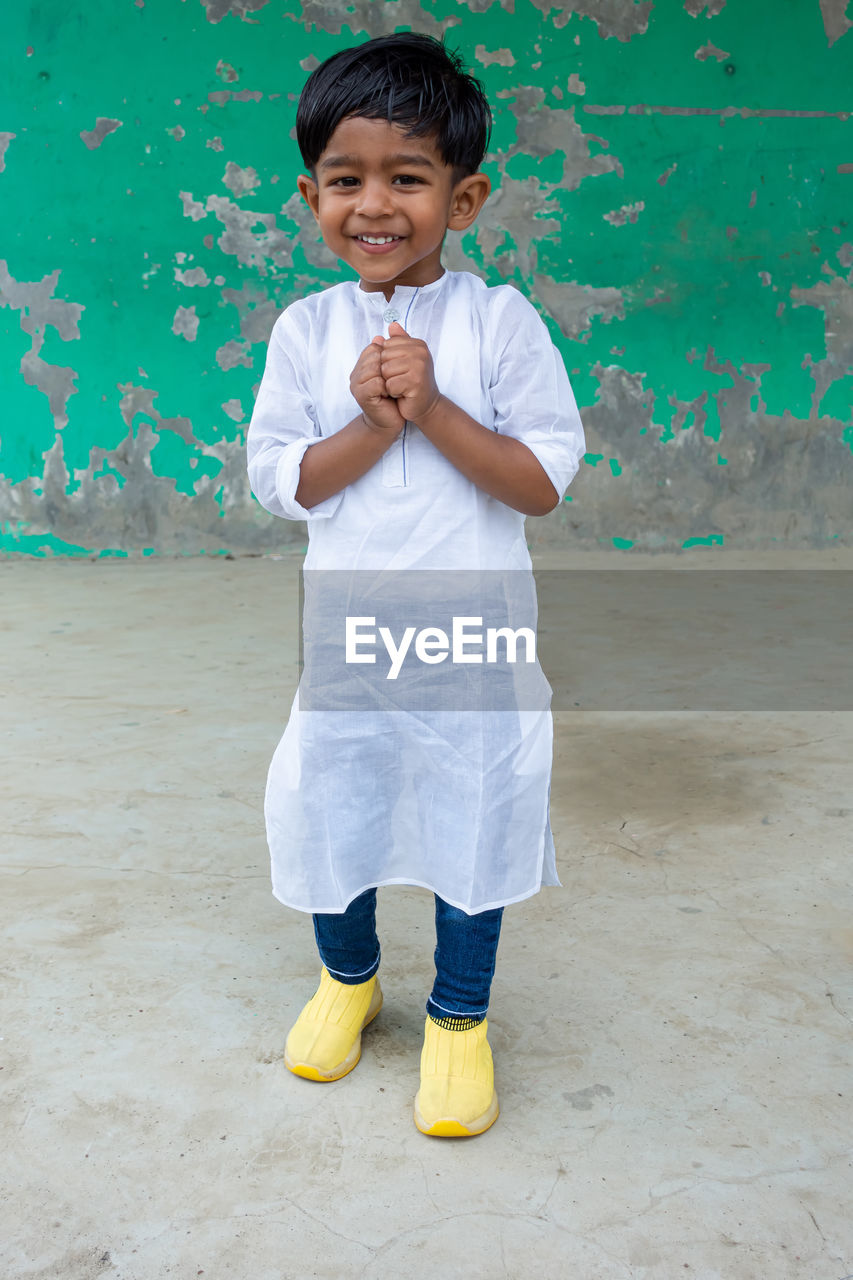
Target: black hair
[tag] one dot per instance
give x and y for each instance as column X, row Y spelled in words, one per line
column 408, row 79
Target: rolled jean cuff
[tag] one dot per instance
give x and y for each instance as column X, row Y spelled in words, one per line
column 439, row 1014
column 353, row 979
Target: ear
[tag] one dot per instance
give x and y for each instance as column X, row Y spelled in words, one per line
column 310, row 193
column 469, row 196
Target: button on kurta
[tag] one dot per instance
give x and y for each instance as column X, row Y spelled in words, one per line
column 390, row 315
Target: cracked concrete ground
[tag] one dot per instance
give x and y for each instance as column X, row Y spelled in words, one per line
column 671, row 1029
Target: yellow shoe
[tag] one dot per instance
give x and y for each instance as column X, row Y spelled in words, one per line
column 457, row 1096
column 325, row 1041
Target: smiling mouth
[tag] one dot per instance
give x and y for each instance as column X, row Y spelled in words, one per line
column 365, row 239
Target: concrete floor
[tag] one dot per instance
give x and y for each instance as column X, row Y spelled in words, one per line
column 671, row 1029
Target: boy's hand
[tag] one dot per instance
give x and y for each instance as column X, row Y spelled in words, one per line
column 406, row 366
column 367, row 385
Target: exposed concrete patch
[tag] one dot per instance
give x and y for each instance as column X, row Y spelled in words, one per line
column 251, row 248
column 40, row 310
column 835, row 299
column 220, row 97
column 711, row 51
column 240, row 181
column 5, row 139
column 216, row 10
column 835, row 20
column 103, row 126
column 54, row 381
column 234, row 409
column 192, row 208
column 542, row 131
column 120, row 502
column 695, row 7
column 257, row 311
column 503, row 57
column 369, row 17
column 195, row 278
column 185, row 323
column 136, row 400
column 308, row 236
column 455, row 258
column 667, row 174
column 672, row 478
column 614, row 18
column 511, row 221
column 574, row 305
column 627, row 213
column 234, row 353
column 724, row 113
column 482, row 6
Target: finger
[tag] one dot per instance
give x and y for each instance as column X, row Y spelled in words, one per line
column 401, row 363
column 401, row 332
column 398, row 376
column 402, row 342
column 371, row 352
column 369, row 365
column 397, row 387
column 374, row 387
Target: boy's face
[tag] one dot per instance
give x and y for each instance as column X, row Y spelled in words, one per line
column 373, row 181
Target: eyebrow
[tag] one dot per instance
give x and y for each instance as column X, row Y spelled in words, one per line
column 349, row 162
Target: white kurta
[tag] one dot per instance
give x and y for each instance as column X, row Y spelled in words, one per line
column 454, row 801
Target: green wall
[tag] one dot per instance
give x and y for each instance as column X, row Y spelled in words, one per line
column 673, row 191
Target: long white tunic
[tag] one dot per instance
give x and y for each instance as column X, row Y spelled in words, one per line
column 454, row 801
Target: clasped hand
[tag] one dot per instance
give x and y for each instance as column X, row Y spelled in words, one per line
column 394, row 381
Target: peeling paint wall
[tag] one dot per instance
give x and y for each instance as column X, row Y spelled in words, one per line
column 673, row 192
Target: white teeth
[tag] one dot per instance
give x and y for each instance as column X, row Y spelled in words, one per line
column 378, row 239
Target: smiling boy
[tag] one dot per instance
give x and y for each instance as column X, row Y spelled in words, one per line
column 384, row 203
column 421, row 448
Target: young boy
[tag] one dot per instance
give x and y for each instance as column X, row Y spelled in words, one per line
column 413, row 417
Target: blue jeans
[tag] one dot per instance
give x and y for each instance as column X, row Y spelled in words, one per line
column 465, row 953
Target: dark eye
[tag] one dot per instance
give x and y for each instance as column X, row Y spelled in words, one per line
column 344, row 182
column 407, row 179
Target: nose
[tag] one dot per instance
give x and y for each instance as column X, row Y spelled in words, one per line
column 374, row 198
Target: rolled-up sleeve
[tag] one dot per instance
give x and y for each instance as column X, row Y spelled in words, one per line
column 283, row 426
column 531, row 393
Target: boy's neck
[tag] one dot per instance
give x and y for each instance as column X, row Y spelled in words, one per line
column 389, row 289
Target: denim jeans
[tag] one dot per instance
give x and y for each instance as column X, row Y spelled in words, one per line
column 465, row 953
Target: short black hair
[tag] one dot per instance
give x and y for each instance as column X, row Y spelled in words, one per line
column 408, row 79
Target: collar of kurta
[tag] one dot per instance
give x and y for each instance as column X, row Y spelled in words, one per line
column 402, row 295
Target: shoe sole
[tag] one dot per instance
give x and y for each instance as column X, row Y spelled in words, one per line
column 309, row 1072
column 450, row 1127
